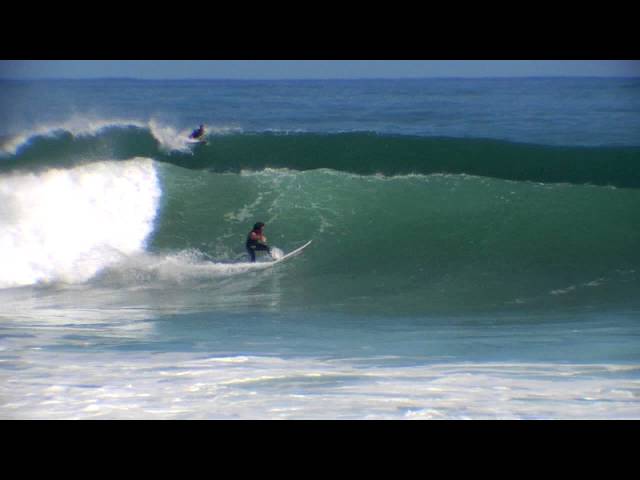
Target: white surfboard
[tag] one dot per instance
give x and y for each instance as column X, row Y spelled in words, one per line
column 293, row 253
column 271, row 263
column 234, row 268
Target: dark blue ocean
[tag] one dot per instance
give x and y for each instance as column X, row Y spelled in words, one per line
column 475, row 249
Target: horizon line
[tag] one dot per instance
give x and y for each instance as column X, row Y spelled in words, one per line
column 434, row 77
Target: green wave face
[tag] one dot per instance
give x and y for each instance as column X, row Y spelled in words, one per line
column 416, row 242
column 367, row 154
column 360, row 153
column 399, row 223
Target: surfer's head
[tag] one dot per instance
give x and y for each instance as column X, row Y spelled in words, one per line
column 258, row 226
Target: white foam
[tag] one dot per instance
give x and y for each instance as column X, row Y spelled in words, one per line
column 175, row 268
column 175, row 385
column 66, row 225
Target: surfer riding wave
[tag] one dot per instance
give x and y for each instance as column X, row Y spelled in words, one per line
column 198, row 133
column 256, row 241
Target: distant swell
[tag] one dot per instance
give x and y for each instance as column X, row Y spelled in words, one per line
column 359, row 153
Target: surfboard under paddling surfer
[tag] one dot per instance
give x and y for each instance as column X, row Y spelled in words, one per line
column 256, row 241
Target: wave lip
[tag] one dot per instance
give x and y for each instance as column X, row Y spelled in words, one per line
column 230, row 149
column 76, row 126
column 66, row 225
column 169, row 138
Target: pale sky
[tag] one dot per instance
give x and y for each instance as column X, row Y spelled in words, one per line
column 313, row 69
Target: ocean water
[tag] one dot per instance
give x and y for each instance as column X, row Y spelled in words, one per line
column 475, row 255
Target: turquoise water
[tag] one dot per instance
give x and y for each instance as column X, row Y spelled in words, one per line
column 474, row 255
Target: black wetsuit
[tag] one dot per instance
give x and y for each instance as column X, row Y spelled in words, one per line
column 254, row 246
